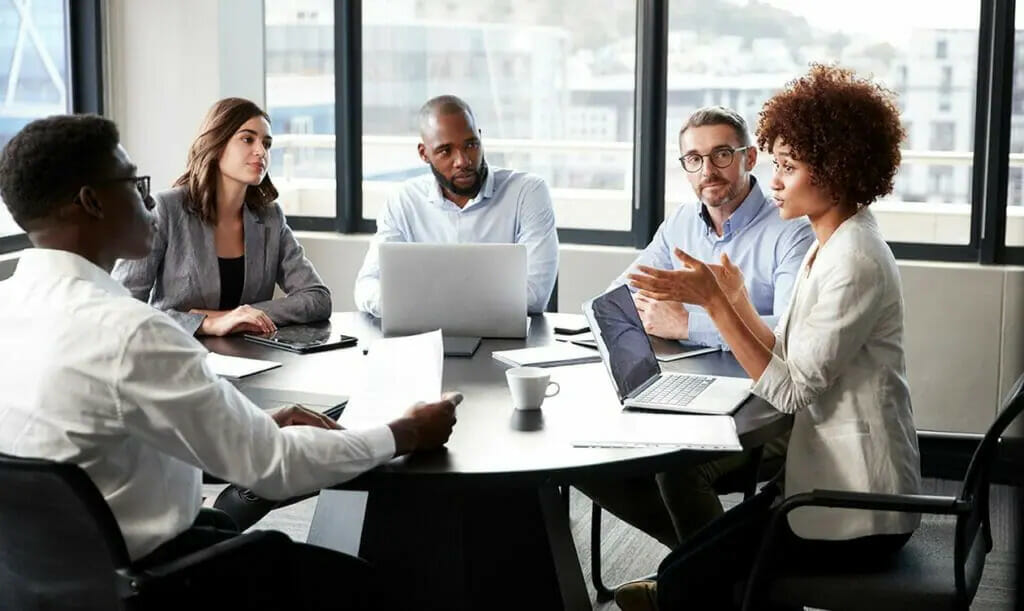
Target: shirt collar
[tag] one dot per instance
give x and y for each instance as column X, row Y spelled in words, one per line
column 39, row 263
column 741, row 217
column 485, row 193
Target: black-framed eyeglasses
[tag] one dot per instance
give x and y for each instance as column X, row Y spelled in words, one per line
column 141, row 183
column 720, row 158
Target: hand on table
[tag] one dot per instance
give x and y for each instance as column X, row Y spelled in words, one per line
column 243, row 319
column 296, row 415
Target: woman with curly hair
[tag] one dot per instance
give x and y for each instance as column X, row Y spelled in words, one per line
column 835, row 361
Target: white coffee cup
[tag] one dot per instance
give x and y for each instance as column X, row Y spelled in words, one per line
column 530, row 386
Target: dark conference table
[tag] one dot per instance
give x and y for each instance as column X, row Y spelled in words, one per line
column 480, row 524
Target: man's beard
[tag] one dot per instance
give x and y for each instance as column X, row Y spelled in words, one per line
column 451, row 187
column 730, row 194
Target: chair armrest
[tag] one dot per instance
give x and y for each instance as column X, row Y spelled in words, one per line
column 229, row 550
column 907, row 503
column 843, row 499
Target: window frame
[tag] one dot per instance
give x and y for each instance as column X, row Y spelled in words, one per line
column 990, row 170
column 84, row 43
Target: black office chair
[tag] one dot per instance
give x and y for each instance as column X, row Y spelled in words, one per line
column 939, row 568
column 743, row 480
column 60, row 548
column 553, row 299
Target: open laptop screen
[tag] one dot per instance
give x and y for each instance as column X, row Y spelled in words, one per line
column 631, row 358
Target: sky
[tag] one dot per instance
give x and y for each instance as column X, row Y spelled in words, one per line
column 886, row 18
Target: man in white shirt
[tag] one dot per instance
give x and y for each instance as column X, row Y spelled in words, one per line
column 94, row 377
column 463, row 200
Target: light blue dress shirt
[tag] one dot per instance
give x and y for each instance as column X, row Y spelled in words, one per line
column 511, row 208
column 766, row 248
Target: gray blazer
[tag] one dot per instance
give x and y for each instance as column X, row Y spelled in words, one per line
column 181, row 272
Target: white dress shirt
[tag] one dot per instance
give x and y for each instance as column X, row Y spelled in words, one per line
column 511, row 208
column 93, row 377
column 838, row 365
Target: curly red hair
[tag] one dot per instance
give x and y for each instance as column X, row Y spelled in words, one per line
column 846, row 128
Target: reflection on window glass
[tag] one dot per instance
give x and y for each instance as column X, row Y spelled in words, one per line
column 550, row 83
column 33, row 70
column 738, row 54
column 300, row 100
column 1015, row 189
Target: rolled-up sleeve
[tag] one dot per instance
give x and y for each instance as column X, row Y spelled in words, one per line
column 536, row 229
column 821, row 344
column 168, row 397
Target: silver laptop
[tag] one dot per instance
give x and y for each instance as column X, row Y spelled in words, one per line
column 476, row 290
column 627, row 353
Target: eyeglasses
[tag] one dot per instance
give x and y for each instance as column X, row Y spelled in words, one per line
column 720, row 158
column 141, row 184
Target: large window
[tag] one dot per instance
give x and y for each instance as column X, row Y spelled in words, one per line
column 738, row 56
column 551, row 85
column 554, row 87
column 33, row 70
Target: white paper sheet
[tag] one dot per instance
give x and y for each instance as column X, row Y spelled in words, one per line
column 236, row 366
column 400, row 371
column 646, row 430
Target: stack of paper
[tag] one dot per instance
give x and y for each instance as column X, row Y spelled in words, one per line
column 644, row 430
column 236, row 366
column 547, row 356
column 664, row 349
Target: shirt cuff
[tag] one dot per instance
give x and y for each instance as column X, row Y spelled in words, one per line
column 380, row 441
column 771, row 386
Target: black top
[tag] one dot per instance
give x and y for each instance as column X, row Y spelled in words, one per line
column 232, row 277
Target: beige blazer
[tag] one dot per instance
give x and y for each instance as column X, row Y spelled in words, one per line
column 181, row 271
column 839, row 366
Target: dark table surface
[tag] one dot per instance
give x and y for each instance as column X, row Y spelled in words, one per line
column 491, row 438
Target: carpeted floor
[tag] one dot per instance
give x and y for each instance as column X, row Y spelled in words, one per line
column 628, row 553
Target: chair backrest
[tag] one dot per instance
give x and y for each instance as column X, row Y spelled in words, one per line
column 553, row 300
column 59, row 543
column 970, row 549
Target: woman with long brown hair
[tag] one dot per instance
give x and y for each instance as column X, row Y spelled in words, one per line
column 222, row 242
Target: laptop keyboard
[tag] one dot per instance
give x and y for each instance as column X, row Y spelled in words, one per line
column 674, row 389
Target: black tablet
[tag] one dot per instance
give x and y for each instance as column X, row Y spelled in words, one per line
column 456, row 345
column 314, row 337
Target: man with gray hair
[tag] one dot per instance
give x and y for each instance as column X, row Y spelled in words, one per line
column 463, row 200
column 732, row 217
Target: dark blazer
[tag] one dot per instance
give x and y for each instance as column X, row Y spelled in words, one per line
column 181, row 272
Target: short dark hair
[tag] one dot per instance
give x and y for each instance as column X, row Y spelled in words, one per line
column 718, row 115
column 443, row 105
column 845, row 127
column 49, row 160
